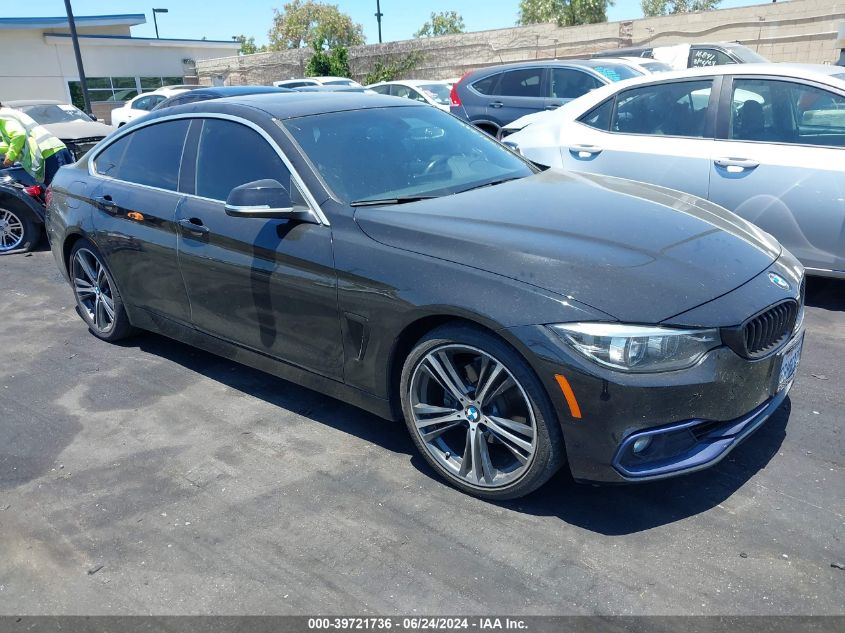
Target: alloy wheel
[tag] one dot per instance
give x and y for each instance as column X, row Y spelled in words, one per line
column 473, row 416
column 93, row 290
column 11, row 231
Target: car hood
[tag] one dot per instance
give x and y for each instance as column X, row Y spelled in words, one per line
column 637, row 252
column 72, row 130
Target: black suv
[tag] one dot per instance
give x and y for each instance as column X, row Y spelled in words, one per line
column 492, row 97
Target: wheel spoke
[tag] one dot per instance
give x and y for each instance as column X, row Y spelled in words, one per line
column 86, row 267
column 96, row 312
column 108, row 306
column 435, row 368
column 489, row 378
column 433, row 434
column 499, row 427
column 82, row 287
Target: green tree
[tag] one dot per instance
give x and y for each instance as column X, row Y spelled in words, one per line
column 652, row 8
column 304, row 23
column 563, row 12
column 442, row 23
column 248, row 45
column 328, row 63
column 395, row 68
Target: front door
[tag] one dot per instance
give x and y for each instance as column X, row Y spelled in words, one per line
column 266, row 284
column 658, row 134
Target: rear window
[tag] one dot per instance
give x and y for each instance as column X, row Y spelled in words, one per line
column 487, row 85
column 617, row 72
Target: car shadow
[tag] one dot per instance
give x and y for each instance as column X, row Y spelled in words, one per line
column 612, row 510
column 828, row 294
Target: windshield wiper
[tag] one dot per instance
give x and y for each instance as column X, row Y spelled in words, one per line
column 375, row 202
column 492, row 183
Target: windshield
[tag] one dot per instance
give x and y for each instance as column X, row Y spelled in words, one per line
column 401, row 152
column 616, row 72
column 50, row 113
column 340, row 82
column 439, row 93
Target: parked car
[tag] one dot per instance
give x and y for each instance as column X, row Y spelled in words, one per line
column 216, row 92
column 766, row 141
column 633, row 331
column 681, row 56
column 492, row 97
column 21, row 211
column 144, row 103
column 644, row 65
column 333, row 88
column 434, row 93
column 71, row 125
column 317, row 81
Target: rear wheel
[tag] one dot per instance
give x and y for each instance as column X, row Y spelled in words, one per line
column 19, row 233
column 97, row 298
column 478, row 414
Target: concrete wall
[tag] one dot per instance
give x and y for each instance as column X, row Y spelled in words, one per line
column 794, row 31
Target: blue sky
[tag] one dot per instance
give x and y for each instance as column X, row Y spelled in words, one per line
column 220, row 19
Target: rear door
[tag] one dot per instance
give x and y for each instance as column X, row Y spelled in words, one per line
column 266, row 284
column 135, row 196
column 566, row 84
column 519, row 92
column 779, row 162
column 659, row 133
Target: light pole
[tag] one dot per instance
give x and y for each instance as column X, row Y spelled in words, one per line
column 378, row 17
column 83, row 83
column 156, row 21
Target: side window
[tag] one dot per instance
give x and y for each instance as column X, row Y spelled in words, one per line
column 668, row 109
column 785, row 112
column 142, row 104
column 229, row 155
column 487, row 86
column 521, row 83
column 568, row 83
column 416, row 96
column 150, row 155
column 599, row 117
column 382, row 90
column 699, row 57
column 155, row 100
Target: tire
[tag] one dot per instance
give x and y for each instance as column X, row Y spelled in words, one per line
column 490, row 407
column 19, row 232
column 489, row 129
column 98, row 300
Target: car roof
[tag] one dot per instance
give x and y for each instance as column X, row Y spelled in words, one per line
column 543, row 63
column 27, row 102
column 410, row 82
column 794, row 71
column 291, row 105
column 234, row 91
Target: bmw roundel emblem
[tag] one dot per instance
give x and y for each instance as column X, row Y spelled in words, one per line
column 779, row 281
column 473, row 414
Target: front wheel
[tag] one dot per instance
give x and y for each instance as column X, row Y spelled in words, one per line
column 19, row 233
column 478, row 414
column 97, row 298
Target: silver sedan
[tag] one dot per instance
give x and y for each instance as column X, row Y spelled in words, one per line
column 766, row 141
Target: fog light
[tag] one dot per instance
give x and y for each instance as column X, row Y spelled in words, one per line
column 641, row 444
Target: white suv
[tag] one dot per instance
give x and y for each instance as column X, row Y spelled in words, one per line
column 317, row 81
column 143, row 103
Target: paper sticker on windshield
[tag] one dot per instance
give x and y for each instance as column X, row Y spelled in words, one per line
column 67, row 108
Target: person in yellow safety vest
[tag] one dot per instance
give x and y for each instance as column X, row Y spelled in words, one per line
column 38, row 151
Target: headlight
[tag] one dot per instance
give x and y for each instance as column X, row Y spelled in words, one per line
column 637, row 348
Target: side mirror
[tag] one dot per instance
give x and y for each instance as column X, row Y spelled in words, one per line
column 91, row 116
column 265, row 199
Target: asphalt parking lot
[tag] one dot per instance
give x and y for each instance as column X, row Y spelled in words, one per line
column 149, row 477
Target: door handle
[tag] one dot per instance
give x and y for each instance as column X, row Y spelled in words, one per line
column 585, row 151
column 194, row 225
column 106, row 204
column 496, row 104
column 736, row 165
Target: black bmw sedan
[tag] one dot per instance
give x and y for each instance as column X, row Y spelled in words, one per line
column 389, row 255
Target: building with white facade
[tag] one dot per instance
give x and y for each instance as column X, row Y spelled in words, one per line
column 38, row 60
